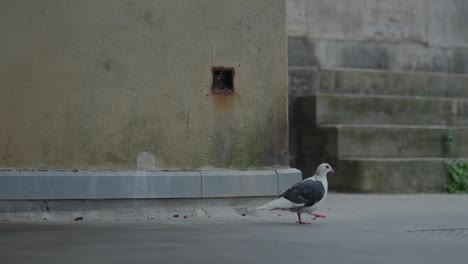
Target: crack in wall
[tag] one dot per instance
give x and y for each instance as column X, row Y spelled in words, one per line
column 206, row 32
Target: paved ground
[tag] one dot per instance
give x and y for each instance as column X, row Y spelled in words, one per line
column 358, row 229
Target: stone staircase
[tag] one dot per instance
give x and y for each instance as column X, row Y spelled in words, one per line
column 383, row 131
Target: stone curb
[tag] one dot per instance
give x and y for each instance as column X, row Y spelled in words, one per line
column 83, row 184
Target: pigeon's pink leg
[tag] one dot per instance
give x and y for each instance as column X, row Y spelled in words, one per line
column 318, row 216
column 300, row 220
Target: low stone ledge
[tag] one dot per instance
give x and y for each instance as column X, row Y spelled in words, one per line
column 84, row 184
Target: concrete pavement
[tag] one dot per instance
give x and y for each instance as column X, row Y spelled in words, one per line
column 427, row 228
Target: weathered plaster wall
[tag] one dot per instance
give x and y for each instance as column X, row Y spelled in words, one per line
column 99, row 84
column 422, row 35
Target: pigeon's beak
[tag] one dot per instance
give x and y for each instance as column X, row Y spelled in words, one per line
column 332, row 171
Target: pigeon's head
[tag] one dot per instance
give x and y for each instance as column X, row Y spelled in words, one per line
column 323, row 169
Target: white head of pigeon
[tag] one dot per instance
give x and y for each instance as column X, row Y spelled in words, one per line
column 323, row 169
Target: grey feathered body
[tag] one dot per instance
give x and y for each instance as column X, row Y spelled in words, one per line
column 305, row 196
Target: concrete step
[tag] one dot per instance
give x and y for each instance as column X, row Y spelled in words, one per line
column 338, row 142
column 385, row 175
column 308, row 81
column 327, row 109
column 381, row 130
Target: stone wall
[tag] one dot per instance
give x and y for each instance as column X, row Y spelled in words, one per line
column 117, row 84
column 420, row 35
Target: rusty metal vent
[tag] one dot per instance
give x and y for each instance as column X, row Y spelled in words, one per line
column 458, row 232
column 223, row 80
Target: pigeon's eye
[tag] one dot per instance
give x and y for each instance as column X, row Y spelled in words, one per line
column 327, row 167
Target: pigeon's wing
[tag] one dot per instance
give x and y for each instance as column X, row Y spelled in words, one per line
column 306, row 192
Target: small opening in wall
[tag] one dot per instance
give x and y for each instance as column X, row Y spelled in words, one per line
column 223, row 80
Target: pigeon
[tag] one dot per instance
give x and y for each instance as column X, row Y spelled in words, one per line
column 305, row 196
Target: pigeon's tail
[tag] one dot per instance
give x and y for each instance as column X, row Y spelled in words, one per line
column 278, row 204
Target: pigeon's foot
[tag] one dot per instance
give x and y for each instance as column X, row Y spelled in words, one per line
column 299, row 220
column 318, row 216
